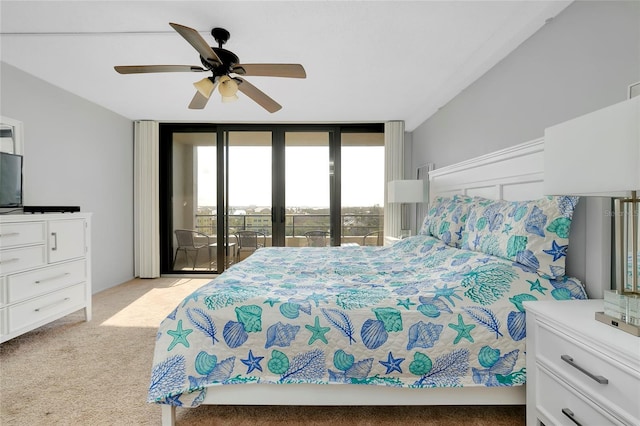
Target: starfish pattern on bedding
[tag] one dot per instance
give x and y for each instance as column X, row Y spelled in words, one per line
column 174, row 400
column 392, row 364
column 317, row 332
column 464, row 330
column 179, row 336
column 556, row 250
column 271, row 301
column 536, row 286
column 407, row 303
column 252, row 362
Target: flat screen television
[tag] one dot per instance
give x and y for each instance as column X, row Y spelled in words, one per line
column 10, row 180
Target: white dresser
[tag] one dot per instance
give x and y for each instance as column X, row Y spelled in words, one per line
column 579, row 371
column 45, row 269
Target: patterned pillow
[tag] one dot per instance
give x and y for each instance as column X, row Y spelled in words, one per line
column 446, row 217
column 534, row 234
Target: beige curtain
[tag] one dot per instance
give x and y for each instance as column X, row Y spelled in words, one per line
column 394, row 170
column 146, row 200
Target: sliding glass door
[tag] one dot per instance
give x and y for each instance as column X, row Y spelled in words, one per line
column 281, row 185
column 362, row 187
column 216, row 185
column 307, row 188
column 249, row 189
column 190, row 236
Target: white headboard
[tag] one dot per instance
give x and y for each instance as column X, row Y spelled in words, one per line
column 517, row 173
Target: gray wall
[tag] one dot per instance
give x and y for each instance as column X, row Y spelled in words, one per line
column 77, row 153
column 581, row 61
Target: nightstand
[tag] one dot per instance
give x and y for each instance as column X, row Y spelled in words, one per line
column 579, row 371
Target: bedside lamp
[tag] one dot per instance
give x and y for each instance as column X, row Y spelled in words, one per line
column 405, row 192
column 598, row 154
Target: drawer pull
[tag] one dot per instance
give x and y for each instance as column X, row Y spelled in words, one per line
column 10, row 234
column 51, row 305
column 57, row 277
column 599, row 379
column 571, row 416
column 55, row 241
column 13, row 259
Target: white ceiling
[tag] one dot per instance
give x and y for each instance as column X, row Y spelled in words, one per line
column 365, row 61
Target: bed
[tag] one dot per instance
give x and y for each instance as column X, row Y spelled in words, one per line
column 434, row 319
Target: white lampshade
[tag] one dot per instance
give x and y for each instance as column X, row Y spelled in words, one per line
column 405, row 191
column 596, row 154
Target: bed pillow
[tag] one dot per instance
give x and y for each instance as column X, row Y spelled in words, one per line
column 534, row 234
column 446, row 218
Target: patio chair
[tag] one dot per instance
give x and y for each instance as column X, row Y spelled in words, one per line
column 249, row 241
column 191, row 242
column 379, row 238
column 317, row 238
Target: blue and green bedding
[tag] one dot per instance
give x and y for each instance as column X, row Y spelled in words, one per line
column 417, row 314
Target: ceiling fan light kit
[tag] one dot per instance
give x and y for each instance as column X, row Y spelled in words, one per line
column 229, row 99
column 205, row 86
column 221, row 63
column 228, row 87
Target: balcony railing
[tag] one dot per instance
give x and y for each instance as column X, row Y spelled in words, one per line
column 353, row 225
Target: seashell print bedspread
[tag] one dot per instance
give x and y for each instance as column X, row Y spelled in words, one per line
column 415, row 314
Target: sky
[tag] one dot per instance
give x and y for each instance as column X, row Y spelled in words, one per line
column 307, row 175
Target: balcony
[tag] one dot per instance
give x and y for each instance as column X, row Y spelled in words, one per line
column 354, row 226
column 353, row 230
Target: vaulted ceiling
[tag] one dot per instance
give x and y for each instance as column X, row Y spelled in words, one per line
column 366, row 61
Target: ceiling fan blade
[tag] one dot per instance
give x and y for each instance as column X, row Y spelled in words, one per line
column 139, row 69
column 257, row 95
column 195, row 39
column 199, row 101
column 271, row 70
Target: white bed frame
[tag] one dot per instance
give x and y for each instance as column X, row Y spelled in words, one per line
column 515, row 173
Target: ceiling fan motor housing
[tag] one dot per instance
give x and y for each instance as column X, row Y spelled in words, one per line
column 228, row 58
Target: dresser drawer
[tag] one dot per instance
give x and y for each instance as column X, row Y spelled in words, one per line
column 565, row 357
column 556, row 402
column 39, row 281
column 41, row 309
column 19, row 259
column 21, row 234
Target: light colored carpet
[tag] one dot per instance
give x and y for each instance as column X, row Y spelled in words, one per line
column 72, row 372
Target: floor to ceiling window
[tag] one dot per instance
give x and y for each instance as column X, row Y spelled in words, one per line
column 362, row 187
column 278, row 185
column 307, row 189
column 249, row 190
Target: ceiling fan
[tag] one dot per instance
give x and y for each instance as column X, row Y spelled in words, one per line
column 225, row 67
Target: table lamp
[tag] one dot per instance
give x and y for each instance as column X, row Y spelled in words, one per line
column 598, row 154
column 405, row 192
